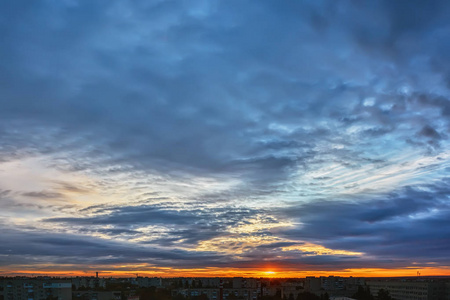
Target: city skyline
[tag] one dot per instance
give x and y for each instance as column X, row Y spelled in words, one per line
column 225, row 138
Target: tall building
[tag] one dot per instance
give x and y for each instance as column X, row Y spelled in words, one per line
column 97, row 295
column 411, row 289
column 238, row 282
column 88, row 282
column 35, row 289
column 148, row 282
column 214, row 293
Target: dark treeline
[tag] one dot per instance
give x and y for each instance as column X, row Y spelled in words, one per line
column 364, row 293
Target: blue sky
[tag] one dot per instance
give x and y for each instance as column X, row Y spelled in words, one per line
column 181, row 135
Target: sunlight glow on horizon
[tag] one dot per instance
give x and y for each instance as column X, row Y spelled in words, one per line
column 216, row 272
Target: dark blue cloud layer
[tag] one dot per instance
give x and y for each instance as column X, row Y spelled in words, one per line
column 408, row 225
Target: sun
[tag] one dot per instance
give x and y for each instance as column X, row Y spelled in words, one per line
column 269, row 272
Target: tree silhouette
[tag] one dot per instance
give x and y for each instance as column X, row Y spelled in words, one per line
column 383, row 295
column 363, row 294
column 325, row 296
column 308, row 296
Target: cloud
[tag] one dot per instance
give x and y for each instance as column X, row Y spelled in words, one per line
column 406, row 225
column 40, row 247
column 227, row 126
column 43, row 195
column 158, row 90
column 165, row 226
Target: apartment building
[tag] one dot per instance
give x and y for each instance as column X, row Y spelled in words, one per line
column 35, row 289
column 411, row 289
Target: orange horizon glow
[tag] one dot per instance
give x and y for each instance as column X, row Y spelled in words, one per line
column 216, row 272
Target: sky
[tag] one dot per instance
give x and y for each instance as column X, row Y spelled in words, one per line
column 225, row 138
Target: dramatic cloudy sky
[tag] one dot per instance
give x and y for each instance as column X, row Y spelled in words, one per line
column 212, row 137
